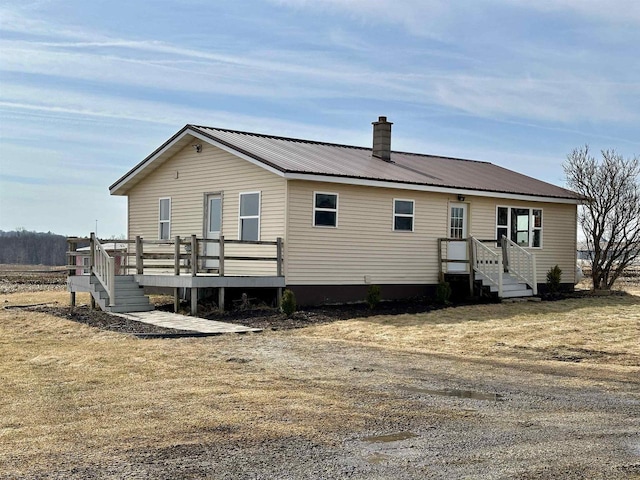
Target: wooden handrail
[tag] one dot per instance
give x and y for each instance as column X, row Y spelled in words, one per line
column 487, row 263
column 103, row 267
column 181, row 253
column 520, row 263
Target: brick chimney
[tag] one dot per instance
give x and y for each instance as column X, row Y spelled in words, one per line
column 382, row 139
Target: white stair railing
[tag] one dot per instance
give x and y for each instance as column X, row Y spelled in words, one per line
column 520, row 263
column 488, row 263
column 104, row 269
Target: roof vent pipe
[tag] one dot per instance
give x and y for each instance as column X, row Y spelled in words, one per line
column 382, row 139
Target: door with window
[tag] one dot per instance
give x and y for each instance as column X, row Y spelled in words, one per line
column 457, row 250
column 212, row 228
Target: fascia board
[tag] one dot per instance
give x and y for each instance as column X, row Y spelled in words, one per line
column 117, row 187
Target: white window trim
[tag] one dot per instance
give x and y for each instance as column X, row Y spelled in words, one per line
column 403, row 215
column 531, row 226
column 247, row 217
column 335, row 210
column 160, row 221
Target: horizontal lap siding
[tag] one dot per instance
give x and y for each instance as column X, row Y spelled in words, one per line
column 558, row 232
column 364, row 242
column 211, row 171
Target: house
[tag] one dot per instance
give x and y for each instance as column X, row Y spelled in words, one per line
column 349, row 216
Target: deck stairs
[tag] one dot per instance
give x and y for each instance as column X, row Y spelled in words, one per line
column 129, row 296
column 511, row 286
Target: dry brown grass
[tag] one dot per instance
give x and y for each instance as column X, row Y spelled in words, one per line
column 600, row 329
column 71, row 388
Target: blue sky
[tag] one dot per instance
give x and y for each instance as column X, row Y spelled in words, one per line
column 89, row 88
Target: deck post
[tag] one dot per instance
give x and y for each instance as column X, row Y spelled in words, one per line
column 471, row 271
column 505, row 255
column 440, row 272
column 92, row 264
column 139, row 264
column 194, row 256
column 221, row 257
column 176, row 268
column 73, row 246
column 221, row 272
column 194, row 302
column 221, row 299
column 279, row 255
column 279, row 269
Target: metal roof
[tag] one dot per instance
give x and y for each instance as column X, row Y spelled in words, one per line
column 318, row 158
column 311, row 158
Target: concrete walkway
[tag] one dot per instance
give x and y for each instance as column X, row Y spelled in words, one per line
column 182, row 322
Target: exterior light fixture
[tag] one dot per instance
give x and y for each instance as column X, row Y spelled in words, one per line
column 460, row 198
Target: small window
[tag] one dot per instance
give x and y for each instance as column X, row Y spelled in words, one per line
column 537, row 228
column 403, row 215
column 164, row 224
column 325, row 209
column 249, row 218
column 502, row 224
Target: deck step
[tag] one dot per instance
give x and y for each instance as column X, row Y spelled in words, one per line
column 129, row 295
column 512, row 287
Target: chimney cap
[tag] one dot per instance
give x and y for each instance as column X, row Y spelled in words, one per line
column 381, row 119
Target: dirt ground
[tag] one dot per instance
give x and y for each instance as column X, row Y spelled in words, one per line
column 540, row 390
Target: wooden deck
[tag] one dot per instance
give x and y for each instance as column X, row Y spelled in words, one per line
column 180, row 263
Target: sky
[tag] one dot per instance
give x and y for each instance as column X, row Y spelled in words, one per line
column 89, row 88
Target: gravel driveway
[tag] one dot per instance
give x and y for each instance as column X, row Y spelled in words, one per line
column 419, row 416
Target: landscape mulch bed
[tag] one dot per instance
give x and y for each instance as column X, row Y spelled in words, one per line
column 259, row 317
column 263, row 318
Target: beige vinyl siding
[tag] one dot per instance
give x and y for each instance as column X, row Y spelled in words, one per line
column 364, row 243
column 186, row 178
column 558, row 232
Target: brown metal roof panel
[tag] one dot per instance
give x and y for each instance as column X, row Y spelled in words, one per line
column 303, row 156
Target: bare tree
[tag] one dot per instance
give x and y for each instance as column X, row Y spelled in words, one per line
column 610, row 215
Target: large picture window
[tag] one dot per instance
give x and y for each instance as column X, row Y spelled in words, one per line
column 403, row 215
column 325, row 209
column 164, row 215
column 249, row 218
column 522, row 225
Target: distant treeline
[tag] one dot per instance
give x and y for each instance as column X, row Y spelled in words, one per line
column 32, row 248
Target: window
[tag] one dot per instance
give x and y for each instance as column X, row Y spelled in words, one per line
column 164, row 224
column 325, row 209
column 403, row 215
column 522, row 225
column 249, row 218
column 456, row 222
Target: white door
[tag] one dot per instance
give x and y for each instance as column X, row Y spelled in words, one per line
column 213, row 223
column 457, row 229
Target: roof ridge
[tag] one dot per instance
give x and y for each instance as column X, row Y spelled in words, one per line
column 278, row 137
column 330, row 144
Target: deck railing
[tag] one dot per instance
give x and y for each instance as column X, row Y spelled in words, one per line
column 488, row 263
column 103, row 267
column 176, row 256
column 520, row 263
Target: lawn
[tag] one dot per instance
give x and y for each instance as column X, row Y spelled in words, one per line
column 76, row 397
